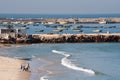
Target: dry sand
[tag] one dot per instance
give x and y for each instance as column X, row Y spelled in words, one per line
column 10, row 69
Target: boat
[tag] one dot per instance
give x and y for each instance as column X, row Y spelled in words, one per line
column 57, row 30
column 97, row 31
column 61, row 28
column 27, row 28
column 36, row 24
column 102, row 22
column 78, row 30
column 39, row 30
column 75, row 28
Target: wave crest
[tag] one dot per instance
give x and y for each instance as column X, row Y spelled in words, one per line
column 44, row 78
column 67, row 63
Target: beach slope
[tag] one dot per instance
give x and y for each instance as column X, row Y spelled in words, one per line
column 10, row 69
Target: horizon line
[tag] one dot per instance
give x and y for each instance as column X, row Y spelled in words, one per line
column 62, row 13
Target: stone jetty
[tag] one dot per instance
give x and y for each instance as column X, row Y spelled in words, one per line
column 76, row 38
column 65, row 38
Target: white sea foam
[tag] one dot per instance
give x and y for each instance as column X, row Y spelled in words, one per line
column 33, row 56
column 44, row 78
column 61, row 53
column 38, row 58
column 66, row 62
column 49, row 72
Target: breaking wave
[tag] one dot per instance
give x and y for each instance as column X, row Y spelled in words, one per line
column 66, row 62
column 45, row 77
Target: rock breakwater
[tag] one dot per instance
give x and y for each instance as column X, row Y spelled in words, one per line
column 64, row 38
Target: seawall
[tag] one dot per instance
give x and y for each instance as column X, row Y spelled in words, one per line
column 76, row 38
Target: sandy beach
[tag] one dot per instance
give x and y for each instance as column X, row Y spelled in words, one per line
column 10, row 69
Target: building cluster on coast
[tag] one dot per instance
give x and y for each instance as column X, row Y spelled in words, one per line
column 57, row 20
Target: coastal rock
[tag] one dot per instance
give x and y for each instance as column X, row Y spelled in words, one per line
column 64, row 38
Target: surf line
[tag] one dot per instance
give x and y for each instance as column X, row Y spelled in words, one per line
column 67, row 63
column 45, row 77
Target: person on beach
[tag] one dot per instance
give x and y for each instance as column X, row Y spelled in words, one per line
column 25, row 67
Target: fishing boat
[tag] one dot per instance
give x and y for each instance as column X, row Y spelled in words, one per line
column 97, row 31
column 102, row 22
column 75, row 28
column 39, row 30
column 78, row 30
column 57, row 30
column 61, row 28
column 36, row 24
column 27, row 28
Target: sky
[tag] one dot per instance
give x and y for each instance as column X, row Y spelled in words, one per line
column 60, row 6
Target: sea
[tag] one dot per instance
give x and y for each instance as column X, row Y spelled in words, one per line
column 59, row 15
column 69, row 61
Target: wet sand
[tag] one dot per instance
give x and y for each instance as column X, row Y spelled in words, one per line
column 10, row 69
column 4, row 45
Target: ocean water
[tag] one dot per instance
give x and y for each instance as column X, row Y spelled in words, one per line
column 58, row 15
column 32, row 29
column 70, row 61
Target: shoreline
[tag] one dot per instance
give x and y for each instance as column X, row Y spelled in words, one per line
column 4, row 45
column 10, row 69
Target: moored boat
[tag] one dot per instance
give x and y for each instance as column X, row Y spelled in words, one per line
column 97, row 31
column 78, row 30
column 61, row 28
column 39, row 30
column 57, row 30
column 102, row 22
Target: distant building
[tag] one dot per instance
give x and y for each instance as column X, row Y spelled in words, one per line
column 63, row 22
column 50, row 22
column 6, row 33
column 102, row 22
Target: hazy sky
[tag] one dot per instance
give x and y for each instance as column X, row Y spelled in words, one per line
column 60, row 6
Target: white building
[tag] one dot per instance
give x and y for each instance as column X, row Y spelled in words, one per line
column 5, row 33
